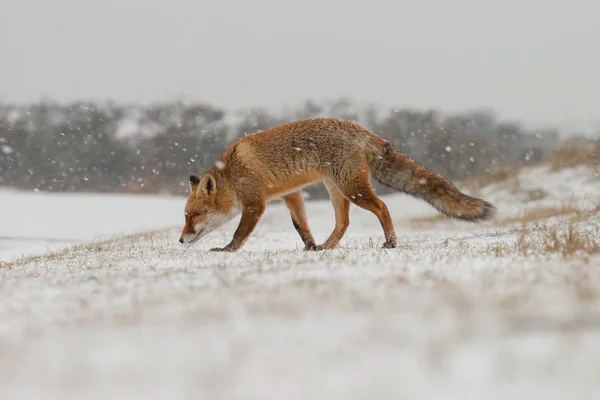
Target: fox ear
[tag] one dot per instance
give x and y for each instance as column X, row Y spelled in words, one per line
column 194, row 181
column 207, row 186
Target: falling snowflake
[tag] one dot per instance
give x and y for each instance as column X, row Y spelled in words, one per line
column 6, row 149
column 220, row 165
column 448, row 148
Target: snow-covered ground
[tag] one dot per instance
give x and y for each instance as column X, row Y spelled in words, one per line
column 39, row 222
column 456, row 312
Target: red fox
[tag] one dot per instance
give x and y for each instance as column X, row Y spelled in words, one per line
column 279, row 162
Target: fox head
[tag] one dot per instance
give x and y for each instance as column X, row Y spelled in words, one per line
column 203, row 212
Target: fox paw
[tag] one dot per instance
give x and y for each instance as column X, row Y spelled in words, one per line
column 317, row 247
column 389, row 245
column 222, row 249
column 310, row 247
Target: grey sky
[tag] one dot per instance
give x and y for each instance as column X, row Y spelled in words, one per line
column 538, row 60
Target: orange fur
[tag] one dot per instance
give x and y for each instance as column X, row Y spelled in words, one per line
column 278, row 162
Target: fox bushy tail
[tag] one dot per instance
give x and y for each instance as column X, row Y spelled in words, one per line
column 398, row 171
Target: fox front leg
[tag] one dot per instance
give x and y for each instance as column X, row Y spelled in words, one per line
column 250, row 217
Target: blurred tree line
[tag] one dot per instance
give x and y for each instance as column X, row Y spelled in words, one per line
column 108, row 147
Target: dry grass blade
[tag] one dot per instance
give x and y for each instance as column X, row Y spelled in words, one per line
column 522, row 244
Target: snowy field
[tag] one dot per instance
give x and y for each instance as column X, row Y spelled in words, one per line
column 459, row 311
column 40, row 222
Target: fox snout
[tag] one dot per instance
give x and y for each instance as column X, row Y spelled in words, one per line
column 188, row 238
column 191, row 236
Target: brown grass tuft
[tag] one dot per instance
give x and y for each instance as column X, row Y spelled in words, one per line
column 569, row 237
column 523, row 245
column 538, row 214
column 575, row 152
column 48, row 256
column 534, row 215
column 536, row 194
column 570, row 242
column 103, row 246
column 420, row 222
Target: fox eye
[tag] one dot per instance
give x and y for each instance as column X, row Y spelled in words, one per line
column 196, row 214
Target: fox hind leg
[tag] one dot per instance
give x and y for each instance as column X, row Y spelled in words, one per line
column 360, row 192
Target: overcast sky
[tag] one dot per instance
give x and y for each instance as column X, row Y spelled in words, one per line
column 536, row 60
